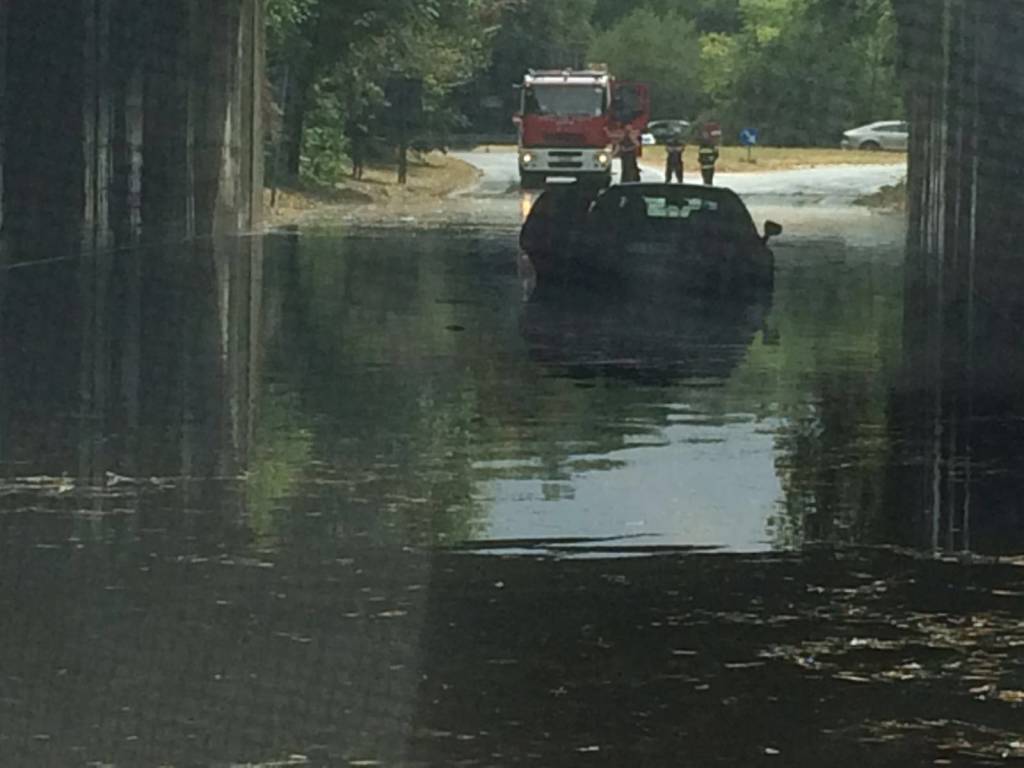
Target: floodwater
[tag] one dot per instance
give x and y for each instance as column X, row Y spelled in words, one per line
column 350, row 496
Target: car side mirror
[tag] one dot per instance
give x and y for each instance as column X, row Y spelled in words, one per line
column 771, row 229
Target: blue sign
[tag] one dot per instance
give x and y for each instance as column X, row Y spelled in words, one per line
column 749, row 136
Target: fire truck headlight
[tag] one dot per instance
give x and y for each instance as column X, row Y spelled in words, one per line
column 603, row 159
column 526, row 158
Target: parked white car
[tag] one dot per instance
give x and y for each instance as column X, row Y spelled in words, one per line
column 886, row 134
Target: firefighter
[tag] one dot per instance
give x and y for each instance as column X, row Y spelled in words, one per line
column 708, row 156
column 627, row 149
column 674, row 148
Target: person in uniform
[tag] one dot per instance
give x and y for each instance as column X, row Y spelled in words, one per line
column 707, row 156
column 627, row 149
column 674, row 148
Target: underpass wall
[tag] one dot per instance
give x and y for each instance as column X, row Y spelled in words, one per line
column 130, row 120
column 959, row 401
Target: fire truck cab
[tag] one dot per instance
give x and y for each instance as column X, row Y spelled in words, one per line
column 568, row 120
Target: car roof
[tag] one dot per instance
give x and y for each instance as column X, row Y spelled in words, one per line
column 879, row 123
column 696, row 190
column 644, row 188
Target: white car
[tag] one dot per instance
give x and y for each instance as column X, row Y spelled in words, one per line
column 886, row 134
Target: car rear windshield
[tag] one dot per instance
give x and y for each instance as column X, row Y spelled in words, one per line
column 677, row 205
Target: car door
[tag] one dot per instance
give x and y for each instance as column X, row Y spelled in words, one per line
column 631, row 105
column 888, row 136
column 902, row 137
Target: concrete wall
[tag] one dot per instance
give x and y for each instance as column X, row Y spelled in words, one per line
column 964, row 66
column 129, row 120
column 960, row 400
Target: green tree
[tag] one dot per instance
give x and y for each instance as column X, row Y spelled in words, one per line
column 527, row 34
column 708, row 15
column 331, row 58
column 807, row 69
column 660, row 50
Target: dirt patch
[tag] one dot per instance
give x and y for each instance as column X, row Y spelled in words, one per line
column 891, row 197
column 433, row 175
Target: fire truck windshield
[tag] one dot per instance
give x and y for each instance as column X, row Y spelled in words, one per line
column 564, row 100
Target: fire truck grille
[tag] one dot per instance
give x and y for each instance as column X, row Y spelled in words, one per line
column 566, row 158
column 563, row 139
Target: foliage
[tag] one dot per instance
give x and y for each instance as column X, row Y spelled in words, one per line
column 801, row 70
column 662, row 50
column 808, row 69
column 323, row 145
column 526, row 34
column 331, row 59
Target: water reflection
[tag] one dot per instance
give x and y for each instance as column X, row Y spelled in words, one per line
column 130, row 364
column 652, row 341
column 152, row 614
column 363, row 389
column 239, row 482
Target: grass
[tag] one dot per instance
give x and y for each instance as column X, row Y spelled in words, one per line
column 431, row 175
column 734, row 159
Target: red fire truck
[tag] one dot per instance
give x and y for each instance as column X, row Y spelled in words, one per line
column 568, row 121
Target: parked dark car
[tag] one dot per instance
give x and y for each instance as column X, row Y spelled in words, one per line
column 647, row 236
column 660, row 131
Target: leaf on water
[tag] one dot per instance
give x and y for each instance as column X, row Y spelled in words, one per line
column 1011, row 697
column 296, row 638
column 851, row 678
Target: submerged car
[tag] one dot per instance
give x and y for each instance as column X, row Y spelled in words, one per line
column 886, row 134
column 585, row 336
column 649, row 235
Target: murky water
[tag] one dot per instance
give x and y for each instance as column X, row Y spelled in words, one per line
column 351, row 499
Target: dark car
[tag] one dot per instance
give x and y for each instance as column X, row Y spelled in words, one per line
column 660, row 131
column 647, row 235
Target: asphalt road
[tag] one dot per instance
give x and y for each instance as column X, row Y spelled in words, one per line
column 827, row 185
column 811, row 202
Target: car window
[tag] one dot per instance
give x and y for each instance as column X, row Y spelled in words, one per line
column 719, row 212
column 662, row 207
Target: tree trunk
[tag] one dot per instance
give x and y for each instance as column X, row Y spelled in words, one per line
column 294, row 123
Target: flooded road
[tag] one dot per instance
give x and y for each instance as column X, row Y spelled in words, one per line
column 348, row 497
